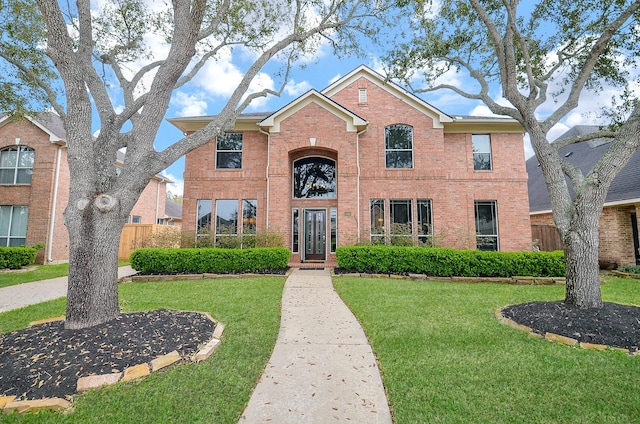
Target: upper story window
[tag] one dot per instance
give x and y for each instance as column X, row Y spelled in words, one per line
column 16, row 165
column 398, row 146
column 481, row 144
column 314, row 177
column 229, row 151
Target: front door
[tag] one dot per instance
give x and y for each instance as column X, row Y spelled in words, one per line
column 315, row 234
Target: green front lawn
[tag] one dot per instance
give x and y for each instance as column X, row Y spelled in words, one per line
column 41, row 272
column 213, row 391
column 445, row 358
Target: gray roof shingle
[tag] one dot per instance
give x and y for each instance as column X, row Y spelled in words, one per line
column 625, row 186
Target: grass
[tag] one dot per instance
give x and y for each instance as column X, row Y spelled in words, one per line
column 213, row 391
column 445, row 358
column 40, row 272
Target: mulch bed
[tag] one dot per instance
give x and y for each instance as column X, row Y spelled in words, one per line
column 613, row 325
column 45, row 360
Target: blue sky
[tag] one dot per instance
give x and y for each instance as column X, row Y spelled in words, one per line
column 208, row 92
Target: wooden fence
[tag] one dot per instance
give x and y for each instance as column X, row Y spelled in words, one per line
column 133, row 235
column 547, row 236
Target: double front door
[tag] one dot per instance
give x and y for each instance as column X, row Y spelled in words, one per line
column 315, row 234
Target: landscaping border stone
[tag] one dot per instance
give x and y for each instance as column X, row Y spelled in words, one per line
column 556, row 337
column 8, row 404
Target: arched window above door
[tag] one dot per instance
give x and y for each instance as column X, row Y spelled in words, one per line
column 314, row 177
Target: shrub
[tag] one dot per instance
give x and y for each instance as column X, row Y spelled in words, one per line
column 17, row 257
column 209, row 260
column 449, row 262
column 630, row 269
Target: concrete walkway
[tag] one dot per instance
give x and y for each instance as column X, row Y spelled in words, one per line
column 20, row 295
column 322, row 369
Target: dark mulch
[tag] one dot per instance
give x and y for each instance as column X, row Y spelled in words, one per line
column 46, row 360
column 613, row 325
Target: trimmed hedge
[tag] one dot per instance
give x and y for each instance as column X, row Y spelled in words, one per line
column 209, row 260
column 17, row 257
column 449, row 262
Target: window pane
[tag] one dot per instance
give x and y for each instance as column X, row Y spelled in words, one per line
column 334, row 229
column 6, row 176
column 481, row 144
column 226, row 217
column 5, row 219
column 24, row 176
column 314, row 177
column 230, row 141
column 400, row 211
column 295, row 243
column 425, row 231
column 398, row 137
column 19, row 221
column 249, row 216
column 8, row 157
column 203, row 224
column 486, row 225
column 226, row 160
column 377, row 221
column 26, row 158
column 399, row 159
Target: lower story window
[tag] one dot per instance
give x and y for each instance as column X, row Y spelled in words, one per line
column 203, row 219
column 136, row 219
column 333, row 216
column 486, row 224
column 226, row 222
column 13, row 225
column 401, row 222
column 425, row 223
column 295, row 234
column 377, row 221
column 249, row 224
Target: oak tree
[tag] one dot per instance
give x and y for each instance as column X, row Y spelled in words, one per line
column 93, row 61
column 543, row 56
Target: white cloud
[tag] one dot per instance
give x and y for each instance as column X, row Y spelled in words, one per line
column 295, row 89
column 189, row 104
column 334, row 79
column 177, row 187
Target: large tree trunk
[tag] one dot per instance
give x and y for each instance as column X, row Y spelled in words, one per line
column 94, row 238
column 581, row 258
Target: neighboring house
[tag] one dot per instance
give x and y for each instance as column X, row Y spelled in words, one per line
column 361, row 161
column 172, row 214
column 619, row 220
column 34, row 187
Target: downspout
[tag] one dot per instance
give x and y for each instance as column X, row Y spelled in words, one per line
column 267, row 176
column 358, row 180
column 158, row 197
column 54, row 205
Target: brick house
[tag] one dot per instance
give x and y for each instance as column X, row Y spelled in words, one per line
column 619, row 220
column 34, row 187
column 361, row 161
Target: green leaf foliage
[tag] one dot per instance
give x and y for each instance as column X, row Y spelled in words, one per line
column 209, row 260
column 450, row 262
column 17, row 257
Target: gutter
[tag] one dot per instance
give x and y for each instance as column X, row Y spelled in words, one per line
column 358, row 180
column 267, row 176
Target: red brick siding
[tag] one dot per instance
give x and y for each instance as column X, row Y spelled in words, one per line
column 443, row 171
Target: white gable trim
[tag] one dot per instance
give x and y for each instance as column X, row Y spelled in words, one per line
column 353, row 122
column 438, row 117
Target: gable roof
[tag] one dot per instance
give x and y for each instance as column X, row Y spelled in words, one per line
column 172, row 210
column 625, row 188
column 353, row 122
column 49, row 122
column 363, row 71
